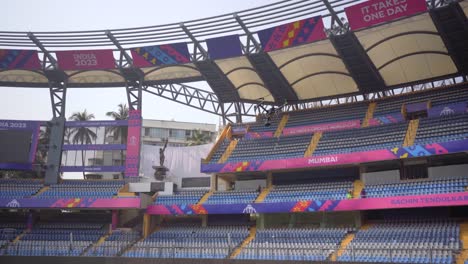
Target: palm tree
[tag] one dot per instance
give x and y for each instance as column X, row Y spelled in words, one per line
column 199, row 138
column 82, row 135
column 119, row 131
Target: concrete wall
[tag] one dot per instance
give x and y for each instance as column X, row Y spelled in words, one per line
column 252, row 184
column 381, row 177
column 448, row 172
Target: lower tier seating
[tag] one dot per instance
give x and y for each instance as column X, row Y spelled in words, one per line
column 310, row 244
column 190, row 242
column 114, row 244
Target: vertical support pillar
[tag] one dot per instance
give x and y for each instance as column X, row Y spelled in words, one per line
column 214, row 182
column 54, row 154
column 146, row 225
column 204, row 220
column 269, row 179
column 115, row 219
column 30, row 221
column 260, row 222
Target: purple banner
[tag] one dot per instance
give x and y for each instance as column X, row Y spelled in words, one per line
column 15, row 166
column 413, row 201
column 224, row 47
column 239, row 130
column 266, row 134
column 34, row 126
column 104, row 203
column 85, row 59
column 343, row 125
column 340, row 159
column 132, row 161
column 386, row 119
column 95, row 147
column 176, row 53
column 292, row 34
column 416, row 107
column 447, row 110
column 92, row 168
column 96, row 123
column 19, row 59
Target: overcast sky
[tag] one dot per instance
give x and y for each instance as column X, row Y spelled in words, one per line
column 68, row 15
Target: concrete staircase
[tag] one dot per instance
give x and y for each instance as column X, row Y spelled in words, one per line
column 221, row 138
column 228, row 151
column 313, row 144
column 463, row 256
column 205, row 197
column 411, row 133
column 281, row 125
column 358, row 186
column 369, row 114
column 18, row 238
column 261, row 197
column 344, row 243
column 247, row 240
column 43, row 189
column 94, row 245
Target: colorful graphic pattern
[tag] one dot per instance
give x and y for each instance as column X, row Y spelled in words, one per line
column 176, row 53
column 339, row 159
column 19, row 59
column 386, row 119
column 266, row 134
column 132, row 161
column 412, row 201
column 292, row 34
column 70, row 203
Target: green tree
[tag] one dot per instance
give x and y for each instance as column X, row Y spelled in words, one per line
column 82, row 135
column 119, row 132
column 199, row 138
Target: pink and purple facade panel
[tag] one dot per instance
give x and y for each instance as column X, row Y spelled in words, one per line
column 413, row 201
column 386, row 119
column 343, row 125
column 340, row 159
column 70, row 203
column 85, row 59
column 292, row 34
column 19, row 59
column 132, row 161
column 374, row 12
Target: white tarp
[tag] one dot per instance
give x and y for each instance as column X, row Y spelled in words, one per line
column 183, row 162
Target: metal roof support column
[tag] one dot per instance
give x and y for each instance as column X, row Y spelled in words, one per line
column 199, row 53
column 252, row 44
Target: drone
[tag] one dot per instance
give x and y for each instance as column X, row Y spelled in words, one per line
column 269, row 113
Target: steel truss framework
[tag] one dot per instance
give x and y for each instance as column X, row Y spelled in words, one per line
column 194, row 32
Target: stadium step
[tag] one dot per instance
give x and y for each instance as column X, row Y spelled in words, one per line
column 344, row 243
column 95, row 245
column 261, row 197
column 228, row 151
column 366, row 226
column 358, row 186
column 18, row 238
column 247, row 240
column 369, row 114
column 205, row 197
column 227, row 129
column 463, row 256
column 411, row 133
column 43, row 189
column 313, row 144
column 281, row 125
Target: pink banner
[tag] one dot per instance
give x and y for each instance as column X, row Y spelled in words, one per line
column 412, row 201
column 377, row 11
column 133, row 144
column 343, row 125
column 85, row 59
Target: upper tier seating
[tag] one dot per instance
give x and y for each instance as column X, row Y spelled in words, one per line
column 57, row 239
column 363, row 139
column 436, row 96
column 219, row 151
column 442, row 129
column 409, row 241
column 270, row 148
column 190, row 242
column 327, row 114
column 115, row 243
column 76, row 189
column 232, row 197
column 311, row 244
column 181, row 197
column 321, row 190
column 16, row 188
column 416, row 188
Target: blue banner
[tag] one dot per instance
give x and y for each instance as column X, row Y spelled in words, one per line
column 447, row 110
column 224, row 47
column 95, row 147
column 96, row 123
